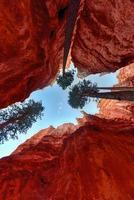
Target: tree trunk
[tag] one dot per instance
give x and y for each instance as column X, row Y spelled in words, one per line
column 71, row 21
column 118, row 95
column 116, row 88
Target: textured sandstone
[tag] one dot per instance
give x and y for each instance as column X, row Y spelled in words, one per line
column 32, row 39
column 31, row 45
column 104, row 39
column 113, row 109
column 95, row 159
column 126, row 76
column 91, row 161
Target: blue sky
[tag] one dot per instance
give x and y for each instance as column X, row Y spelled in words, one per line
column 57, row 111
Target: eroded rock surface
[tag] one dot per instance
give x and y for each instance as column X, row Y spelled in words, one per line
column 104, row 37
column 32, row 39
column 93, row 160
column 126, row 76
column 114, row 109
column 31, row 44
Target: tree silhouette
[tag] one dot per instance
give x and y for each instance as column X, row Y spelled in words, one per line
column 66, row 80
column 73, row 9
column 80, row 93
column 18, row 119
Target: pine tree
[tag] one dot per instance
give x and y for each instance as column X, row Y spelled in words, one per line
column 80, row 93
column 18, row 119
column 66, row 80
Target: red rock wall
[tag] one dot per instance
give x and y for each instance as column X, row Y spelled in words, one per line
column 104, row 36
column 126, row 76
column 113, row 109
column 32, row 40
column 31, row 43
column 93, row 161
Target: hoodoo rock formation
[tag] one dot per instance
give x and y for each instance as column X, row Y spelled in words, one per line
column 93, row 160
column 32, row 39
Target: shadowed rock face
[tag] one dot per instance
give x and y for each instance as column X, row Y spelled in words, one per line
column 104, row 36
column 31, row 42
column 32, row 39
column 93, row 160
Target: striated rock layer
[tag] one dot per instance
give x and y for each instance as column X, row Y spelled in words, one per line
column 93, row 160
column 32, row 40
column 114, row 109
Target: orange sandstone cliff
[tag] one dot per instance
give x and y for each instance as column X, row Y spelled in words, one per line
column 114, row 109
column 32, row 39
column 91, row 161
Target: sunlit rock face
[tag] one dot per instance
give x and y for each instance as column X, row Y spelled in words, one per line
column 126, row 76
column 93, row 160
column 104, row 37
column 31, row 42
column 114, row 109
